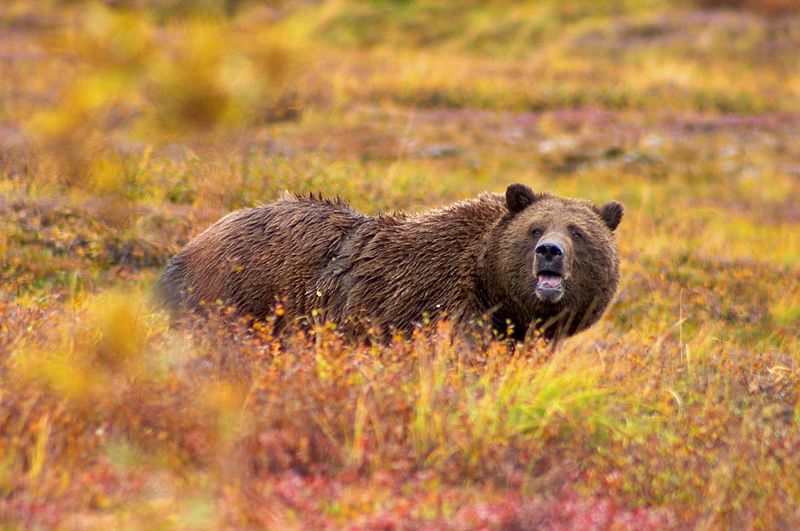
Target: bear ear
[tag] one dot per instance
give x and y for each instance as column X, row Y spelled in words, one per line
column 519, row 197
column 611, row 213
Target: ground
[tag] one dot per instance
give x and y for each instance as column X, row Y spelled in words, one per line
column 125, row 130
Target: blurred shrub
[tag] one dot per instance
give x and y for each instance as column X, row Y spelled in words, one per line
column 87, row 363
column 769, row 7
column 193, row 76
column 180, row 8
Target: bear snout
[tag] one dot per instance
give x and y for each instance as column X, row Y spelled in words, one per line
column 550, row 253
column 551, row 268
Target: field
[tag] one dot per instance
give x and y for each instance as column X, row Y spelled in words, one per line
column 127, row 127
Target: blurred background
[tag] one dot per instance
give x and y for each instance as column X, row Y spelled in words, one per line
column 128, row 97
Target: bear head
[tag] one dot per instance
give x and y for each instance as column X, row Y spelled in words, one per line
column 554, row 260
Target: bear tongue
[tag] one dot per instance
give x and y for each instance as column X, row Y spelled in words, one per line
column 549, row 281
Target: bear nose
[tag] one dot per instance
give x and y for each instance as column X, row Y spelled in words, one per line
column 549, row 251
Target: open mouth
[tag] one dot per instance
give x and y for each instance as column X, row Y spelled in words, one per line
column 550, row 286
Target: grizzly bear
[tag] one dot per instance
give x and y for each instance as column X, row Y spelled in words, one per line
column 521, row 262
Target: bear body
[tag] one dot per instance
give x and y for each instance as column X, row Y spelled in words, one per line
column 492, row 256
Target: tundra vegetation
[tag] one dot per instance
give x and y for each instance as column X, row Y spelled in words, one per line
column 127, row 127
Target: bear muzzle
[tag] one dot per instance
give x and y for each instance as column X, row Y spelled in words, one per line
column 549, row 266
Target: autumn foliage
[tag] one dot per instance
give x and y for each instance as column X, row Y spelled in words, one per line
column 127, row 127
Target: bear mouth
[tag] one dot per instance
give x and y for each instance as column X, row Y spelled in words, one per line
column 550, row 286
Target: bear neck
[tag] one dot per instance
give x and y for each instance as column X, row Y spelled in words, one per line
column 503, row 310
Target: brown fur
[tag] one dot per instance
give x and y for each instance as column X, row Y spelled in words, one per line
column 465, row 261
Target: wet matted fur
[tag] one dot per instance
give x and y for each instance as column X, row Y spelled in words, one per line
column 465, row 262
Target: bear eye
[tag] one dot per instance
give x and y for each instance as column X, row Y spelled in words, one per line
column 536, row 233
column 577, row 235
